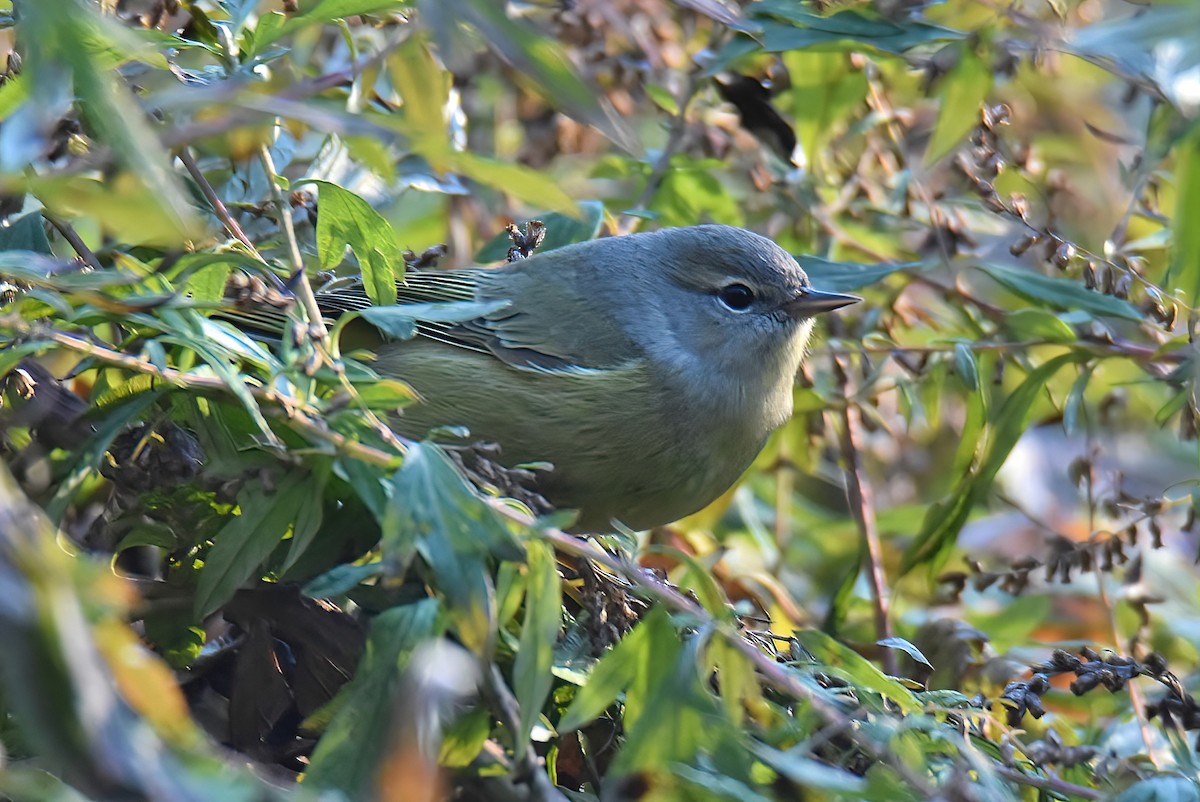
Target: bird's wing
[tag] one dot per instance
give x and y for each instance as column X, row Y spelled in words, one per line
column 545, row 338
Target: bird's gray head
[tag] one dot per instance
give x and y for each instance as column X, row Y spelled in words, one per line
column 725, row 300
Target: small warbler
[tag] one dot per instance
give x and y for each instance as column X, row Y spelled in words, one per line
column 648, row 369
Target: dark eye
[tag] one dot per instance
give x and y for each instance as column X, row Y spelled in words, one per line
column 736, row 297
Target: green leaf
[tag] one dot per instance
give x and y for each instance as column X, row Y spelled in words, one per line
column 826, row 94
column 906, row 647
column 524, row 184
column 946, row 517
column 1061, row 293
column 960, row 94
column 79, row 46
column 810, row 773
column 539, row 60
column 242, row 545
column 543, row 616
column 846, row 30
column 1039, row 325
column 615, row 671
column 845, row 276
column 561, row 230
column 1074, row 405
column 843, row 660
column 346, row 220
column 1185, row 254
column 663, row 98
column 349, row 752
column 1161, row 789
column 435, row 513
column 319, row 13
column 26, row 233
column 965, row 367
column 424, row 86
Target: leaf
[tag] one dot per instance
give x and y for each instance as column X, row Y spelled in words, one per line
column 832, row 655
column 906, row 647
column 322, row 12
column 424, row 86
column 346, row 220
column 845, row 30
column 845, row 276
column 960, row 95
column 540, row 60
column 615, row 671
column 543, row 616
column 810, row 773
column 26, row 233
column 349, row 752
column 1062, row 293
column 946, row 517
column 1039, row 325
column 433, row 512
column 1161, row 789
column 1074, row 405
column 561, row 230
column 1185, row 252
column 242, row 545
column 965, row 367
column 517, row 180
column 75, row 42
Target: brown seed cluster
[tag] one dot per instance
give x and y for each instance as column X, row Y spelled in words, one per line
column 1118, row 276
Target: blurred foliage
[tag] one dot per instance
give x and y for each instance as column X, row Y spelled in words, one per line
column 963, row 571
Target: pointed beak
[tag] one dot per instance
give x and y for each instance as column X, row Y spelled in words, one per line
column 814, row 302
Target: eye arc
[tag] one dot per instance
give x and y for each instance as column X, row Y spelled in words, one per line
column 736, row 297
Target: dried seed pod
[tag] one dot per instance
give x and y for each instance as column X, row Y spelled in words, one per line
column 1063, row 255
column 1168, row 320
column 994, row 116
column 1020, row 205
column 994, row 203
column 1023, row 244
column 984, row 187
column 1124, row 284
column 1108, row 283
column 1089, row 274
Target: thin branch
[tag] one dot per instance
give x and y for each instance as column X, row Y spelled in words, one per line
column 219, row 208
column 862, row 505
column 1048, row 783
column 662, row 164
column 299, row 282
column 527, row 762
column 305, row 421
column 74, row 240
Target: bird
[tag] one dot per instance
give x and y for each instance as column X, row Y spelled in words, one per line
column 647, row 369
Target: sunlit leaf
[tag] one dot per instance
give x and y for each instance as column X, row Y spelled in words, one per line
column 1061, row 293
column 345, row 221
column 543, row 616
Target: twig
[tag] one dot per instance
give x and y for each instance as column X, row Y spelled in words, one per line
column 674, row 136
column 860, row 499
column 1048, row 783
column 299, row 282
column 219, row 208
column 527, row 761
column 307, row 422
column 74, row 240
